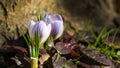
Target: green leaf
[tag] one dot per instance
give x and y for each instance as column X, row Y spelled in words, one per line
column 100, row 36
column 37, row 41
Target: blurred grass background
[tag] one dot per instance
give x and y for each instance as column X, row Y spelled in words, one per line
column 75, row 14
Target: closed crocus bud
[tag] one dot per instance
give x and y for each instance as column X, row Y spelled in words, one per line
column 30, row 28
column 43, row 30
column 57, row 24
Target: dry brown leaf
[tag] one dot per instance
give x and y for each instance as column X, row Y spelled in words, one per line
column 18, row 62
column 43, row 58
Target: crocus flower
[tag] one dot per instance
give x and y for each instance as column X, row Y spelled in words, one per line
column 56, row 22
column 42, row 28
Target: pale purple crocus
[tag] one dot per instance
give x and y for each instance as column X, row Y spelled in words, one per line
column 42, row 28
column 56, row 22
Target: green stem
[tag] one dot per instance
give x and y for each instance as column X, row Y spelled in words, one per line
column 34, row 62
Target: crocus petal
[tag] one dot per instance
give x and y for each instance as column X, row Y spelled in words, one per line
column 43, row 30
column 30, row 27
column 49, row 18
column 57, row 29
column 49, row 27
column 57, row 17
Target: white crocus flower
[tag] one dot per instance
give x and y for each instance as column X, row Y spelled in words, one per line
column 42, row 28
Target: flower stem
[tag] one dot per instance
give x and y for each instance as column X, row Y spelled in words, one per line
column 34, row 62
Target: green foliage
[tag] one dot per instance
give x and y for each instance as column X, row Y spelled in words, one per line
column 33, row 48
column 40, row 15
column 100, row 44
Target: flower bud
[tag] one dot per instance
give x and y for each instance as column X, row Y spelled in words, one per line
column 56, row 22
column 43, row 30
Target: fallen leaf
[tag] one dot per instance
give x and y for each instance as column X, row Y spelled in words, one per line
column 61, row 62
column 63, row 48
column 8, row 49
column 97, row 56
column 43, row 58
column 18, row 62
